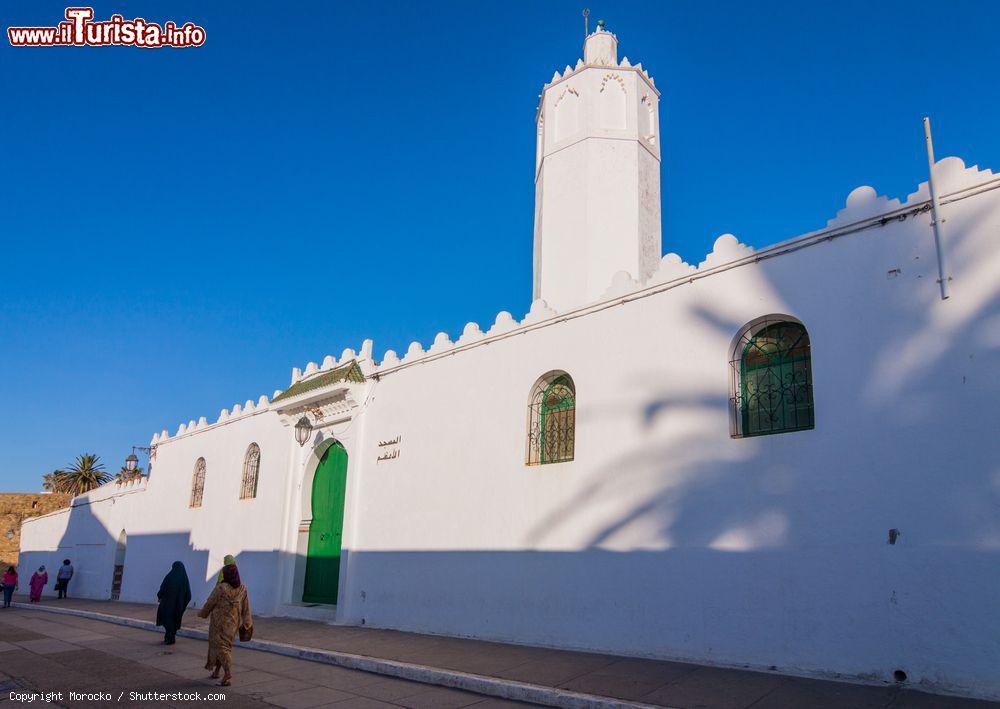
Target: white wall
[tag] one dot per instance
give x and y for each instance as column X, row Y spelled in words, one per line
column 665, row 537
column 163, row 528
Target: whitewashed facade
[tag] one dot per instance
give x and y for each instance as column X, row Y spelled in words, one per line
column 668, row 534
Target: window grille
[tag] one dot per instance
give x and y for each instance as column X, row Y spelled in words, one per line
column 772, row 380
column 552, row 420
column 198, row 483
column 251, row 469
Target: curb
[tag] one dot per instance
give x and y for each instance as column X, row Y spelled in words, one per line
column 480, row 684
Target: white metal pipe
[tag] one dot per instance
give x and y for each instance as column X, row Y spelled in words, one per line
column 936, row 220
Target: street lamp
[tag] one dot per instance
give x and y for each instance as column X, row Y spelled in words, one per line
column 303, row 429
column 132, row 461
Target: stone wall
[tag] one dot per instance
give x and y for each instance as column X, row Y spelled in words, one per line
column 14, row 508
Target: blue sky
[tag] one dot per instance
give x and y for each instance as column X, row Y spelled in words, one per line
column 181, row 227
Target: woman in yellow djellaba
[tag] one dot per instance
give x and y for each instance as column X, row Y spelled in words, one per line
column 229, row 608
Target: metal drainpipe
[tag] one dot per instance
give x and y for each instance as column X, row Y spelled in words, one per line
column 936, row 220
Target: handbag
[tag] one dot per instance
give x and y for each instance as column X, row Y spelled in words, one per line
column 246, row 634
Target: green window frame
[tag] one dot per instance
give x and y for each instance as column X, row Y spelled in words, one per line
column 552, row 420
column 772, row 379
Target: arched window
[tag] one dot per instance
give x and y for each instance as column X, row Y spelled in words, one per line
column 771, row 378
column 552, row 419
column 251, row 469
column 198, row 483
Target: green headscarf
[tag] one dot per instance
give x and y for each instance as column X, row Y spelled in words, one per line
column 227, row 560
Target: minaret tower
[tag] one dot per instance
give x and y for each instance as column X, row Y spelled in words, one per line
column 597, row 176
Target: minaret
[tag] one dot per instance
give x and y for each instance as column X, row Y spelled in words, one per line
column 597, row 176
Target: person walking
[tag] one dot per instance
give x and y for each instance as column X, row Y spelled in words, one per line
column 63, row 576
column 9, row 584
column 229, row 611
column 174, row 595
column 37, row 583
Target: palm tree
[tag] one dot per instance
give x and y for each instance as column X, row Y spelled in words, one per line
column 53, row 482
column 86, row 473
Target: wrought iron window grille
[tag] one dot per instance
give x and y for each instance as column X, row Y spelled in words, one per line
column 251, row 471
column 552, row 420
column 771, row 380
column 198, row 483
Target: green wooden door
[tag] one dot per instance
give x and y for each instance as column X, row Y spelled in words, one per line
column 326, row 530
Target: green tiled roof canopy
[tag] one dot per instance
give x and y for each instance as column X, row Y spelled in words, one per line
column 349, row 372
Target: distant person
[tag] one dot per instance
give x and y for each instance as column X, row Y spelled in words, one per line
column 227, row 560
column 37, row 583
column 174, row 595
column 63, row 576
column 9, row 584
column 229, row 608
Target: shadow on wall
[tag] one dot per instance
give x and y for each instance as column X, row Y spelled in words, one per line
column 779, row 545
column 94, row 552
column 768, row 550
column 932, row 387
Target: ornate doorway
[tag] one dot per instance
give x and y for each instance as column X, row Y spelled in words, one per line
column 326, row 529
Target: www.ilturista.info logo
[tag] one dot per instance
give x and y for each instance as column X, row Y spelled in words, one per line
column 79, row 30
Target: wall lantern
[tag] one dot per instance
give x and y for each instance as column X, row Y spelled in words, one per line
column 303, row 429
column 132, row 461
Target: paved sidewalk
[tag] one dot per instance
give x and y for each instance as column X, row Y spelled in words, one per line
column 115, row 666
column 637, row 681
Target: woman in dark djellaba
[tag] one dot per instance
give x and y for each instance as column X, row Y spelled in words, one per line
column 174, row 595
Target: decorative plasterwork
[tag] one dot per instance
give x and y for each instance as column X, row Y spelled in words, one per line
column 350, row 371
column 332, row 407
column 333, row 400
column 612, row 77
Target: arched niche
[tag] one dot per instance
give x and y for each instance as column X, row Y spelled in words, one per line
column 612, row 103
column 567, row 115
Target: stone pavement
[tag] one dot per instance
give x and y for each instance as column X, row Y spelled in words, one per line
column 631, row 680
column 48, row 653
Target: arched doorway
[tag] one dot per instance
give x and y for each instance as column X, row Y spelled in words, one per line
column 326, row 529
column 116, row 579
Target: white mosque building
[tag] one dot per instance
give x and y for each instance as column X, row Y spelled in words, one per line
column 650, row 462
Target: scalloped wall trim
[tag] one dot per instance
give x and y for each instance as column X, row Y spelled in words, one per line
column 864, row 208
column 226, row 416
column 727, row 252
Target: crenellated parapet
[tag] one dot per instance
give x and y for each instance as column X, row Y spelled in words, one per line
column 471, row 334
column 600, row 62
column 950, row 176
column 230, row 415
column 864, row 206
column 250, row 407
column 363, row 357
